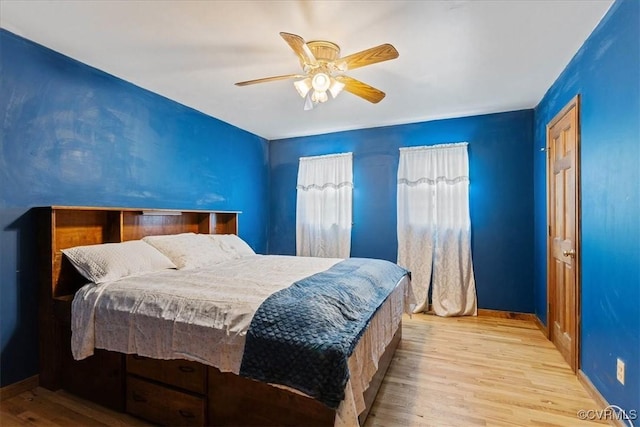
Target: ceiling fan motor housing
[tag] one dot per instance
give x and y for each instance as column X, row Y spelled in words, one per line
column 324, row 51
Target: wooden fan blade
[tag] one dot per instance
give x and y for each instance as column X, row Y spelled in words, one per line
column 270, row 79
column 381, row 53
column 361, row 89
column 301, row 49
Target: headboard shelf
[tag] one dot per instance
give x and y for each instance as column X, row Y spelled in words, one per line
column 62, row 227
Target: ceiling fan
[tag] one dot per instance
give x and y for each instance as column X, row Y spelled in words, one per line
column 323, row 70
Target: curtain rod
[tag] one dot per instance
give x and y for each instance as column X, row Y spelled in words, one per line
column 327, row 156
column 431, row 147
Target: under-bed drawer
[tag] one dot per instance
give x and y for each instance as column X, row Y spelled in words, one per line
column 163, row 405
column 183, row 374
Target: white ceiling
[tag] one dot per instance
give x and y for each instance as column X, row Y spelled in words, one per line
column 457, row 58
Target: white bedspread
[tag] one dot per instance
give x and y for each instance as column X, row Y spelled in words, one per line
column 201, row 314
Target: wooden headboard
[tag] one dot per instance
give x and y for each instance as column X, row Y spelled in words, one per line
column 62, row 227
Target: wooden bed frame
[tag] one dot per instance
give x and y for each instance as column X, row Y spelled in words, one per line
column 175, row 392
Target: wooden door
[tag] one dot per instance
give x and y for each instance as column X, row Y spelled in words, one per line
column 563, row 281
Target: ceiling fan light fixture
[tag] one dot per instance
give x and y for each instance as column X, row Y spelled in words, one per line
column 317, row 96
column 303, row 86
column 336, row 87
column 321, row 82
column 308, row 103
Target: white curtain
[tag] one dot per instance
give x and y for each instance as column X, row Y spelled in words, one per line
column 324, row 205
column 434, row 227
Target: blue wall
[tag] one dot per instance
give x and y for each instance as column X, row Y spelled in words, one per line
column 501, row 195
column 606, row 74
column 73, row 135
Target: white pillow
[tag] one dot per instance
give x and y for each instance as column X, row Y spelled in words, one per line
column 233, row 244
column 189, row 250
column 112, row 261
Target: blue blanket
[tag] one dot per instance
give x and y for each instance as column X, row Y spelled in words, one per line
column 303, row 335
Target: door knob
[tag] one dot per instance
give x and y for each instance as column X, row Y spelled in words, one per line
column 570, row 253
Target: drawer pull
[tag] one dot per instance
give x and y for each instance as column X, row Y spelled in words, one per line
column 187, row 369
column 138, row 398
column 186, row 414
column 137, row 357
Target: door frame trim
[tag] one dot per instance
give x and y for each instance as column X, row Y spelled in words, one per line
column 574, row 102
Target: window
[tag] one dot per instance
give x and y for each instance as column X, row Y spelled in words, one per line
column 324, row 206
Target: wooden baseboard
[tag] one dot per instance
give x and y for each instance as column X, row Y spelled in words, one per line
column 15, row 389
column 595, row 394
column 483, row 312
column 515, row 315
column 541, row 326
column 591, row 389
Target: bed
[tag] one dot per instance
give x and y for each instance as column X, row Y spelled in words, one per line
column 153, row 363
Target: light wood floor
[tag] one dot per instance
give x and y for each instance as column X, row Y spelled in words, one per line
column 477, row 371
column 447, row 372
